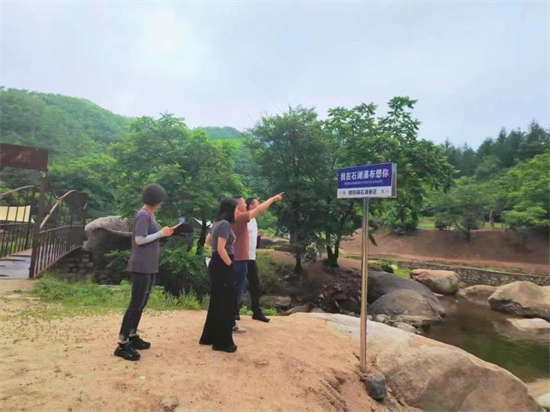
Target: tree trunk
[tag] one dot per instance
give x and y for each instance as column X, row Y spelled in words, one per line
column 298, row 268
column 492, row 219
column 202, row 238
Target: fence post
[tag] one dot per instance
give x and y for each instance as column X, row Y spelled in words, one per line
column 39, row 218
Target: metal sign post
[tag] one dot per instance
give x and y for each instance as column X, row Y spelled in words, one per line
column 365, row 182
column 364, row 278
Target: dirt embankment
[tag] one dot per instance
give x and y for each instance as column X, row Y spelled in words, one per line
column 290, row 364
column 487, row 248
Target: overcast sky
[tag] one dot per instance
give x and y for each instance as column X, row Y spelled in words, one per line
column 473, row 66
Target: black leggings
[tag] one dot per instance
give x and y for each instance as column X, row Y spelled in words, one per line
column 221, row 311
column 142, row 284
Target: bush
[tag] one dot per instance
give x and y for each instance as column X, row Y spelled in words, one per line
column 180, row 271
column 269, row 272
column 183, row 272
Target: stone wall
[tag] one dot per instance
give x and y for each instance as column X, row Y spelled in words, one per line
column 78, row 264
column 475, row 276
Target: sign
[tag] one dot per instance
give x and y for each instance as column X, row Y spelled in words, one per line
column 24, row 157
column 367, row 181
column 377, row 181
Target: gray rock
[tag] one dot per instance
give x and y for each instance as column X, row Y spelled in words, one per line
column 376, row 387
column 298, row 309
column 438, row 281
column 274, row 301
column 544, row 401
column 524, row 299
column 477, row 293
column 535, row 325
column 317, row 310
column 434, row 376
column 380, row 284
column 380, row 318
column 369, row 317
column 404, row 302
column 405, row 326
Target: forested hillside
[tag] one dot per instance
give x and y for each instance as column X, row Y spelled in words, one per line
column 503, row 181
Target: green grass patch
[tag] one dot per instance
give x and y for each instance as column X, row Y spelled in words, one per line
column 86, row 297
column 403, row 272
column 246, row 311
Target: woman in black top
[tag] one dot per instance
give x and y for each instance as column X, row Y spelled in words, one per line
column 219, row 321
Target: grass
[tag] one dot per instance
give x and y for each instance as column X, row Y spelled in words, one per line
column 77, row 298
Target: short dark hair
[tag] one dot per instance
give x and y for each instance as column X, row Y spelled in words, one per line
column 227, row 210
column 249, row 202
column 153, row 194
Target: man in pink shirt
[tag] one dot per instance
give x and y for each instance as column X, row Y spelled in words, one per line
column 241, row 245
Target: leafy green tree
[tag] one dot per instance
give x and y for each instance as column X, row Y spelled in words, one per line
column 291, row 150
column 195, row 173
column 528, row 188
column 464, row 206
column 90, row 174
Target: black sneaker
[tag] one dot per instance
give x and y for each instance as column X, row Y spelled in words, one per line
column 139, row 343
column 261, row 317
column 229, row 349
column 126, row 351
column 203, row 342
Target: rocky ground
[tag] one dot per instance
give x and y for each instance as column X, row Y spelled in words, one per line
column 66, row 364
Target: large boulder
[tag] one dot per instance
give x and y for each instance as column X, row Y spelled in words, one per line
column 477, row 293
column 404, row 302
column 438, row 281
column 106, row 234
column 535, row 325
column 434, row 376
column 274, row 301
column 523, row 299
column 381, row 283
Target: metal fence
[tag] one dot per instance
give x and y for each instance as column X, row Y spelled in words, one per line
column 32, row 217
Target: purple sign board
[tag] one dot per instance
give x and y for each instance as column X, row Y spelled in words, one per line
column 367, row 181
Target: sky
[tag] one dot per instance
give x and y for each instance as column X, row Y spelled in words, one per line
column 474, row 66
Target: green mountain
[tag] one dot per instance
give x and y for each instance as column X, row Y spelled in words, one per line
column 68, row 127
column 223, row 133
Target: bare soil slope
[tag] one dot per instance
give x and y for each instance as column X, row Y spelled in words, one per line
column 67, row 364
column 487, row 248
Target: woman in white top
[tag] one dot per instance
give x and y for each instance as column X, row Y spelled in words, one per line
column 252, row 275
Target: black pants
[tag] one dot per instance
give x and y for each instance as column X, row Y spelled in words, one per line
column 221, row 311
column 142, row 284
column 254, row 286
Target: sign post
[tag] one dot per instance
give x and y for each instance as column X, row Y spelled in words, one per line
column 366, row 182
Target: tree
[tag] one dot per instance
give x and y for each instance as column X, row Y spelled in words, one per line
column 90, row 174
column 291, row 151
column 195, row 173
column 464, row 206
column 528, row 188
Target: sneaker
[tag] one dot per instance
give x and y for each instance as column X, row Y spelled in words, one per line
column 126, row 351
column 203, row 342
column 229, row 349
column 139, row 343
column 261, row 317
column 237, row 329
column 237, row 316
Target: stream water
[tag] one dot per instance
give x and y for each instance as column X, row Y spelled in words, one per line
column 489, row 336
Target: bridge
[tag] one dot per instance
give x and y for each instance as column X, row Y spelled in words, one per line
column 38, row 227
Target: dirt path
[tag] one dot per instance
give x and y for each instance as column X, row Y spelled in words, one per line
column 291, row 364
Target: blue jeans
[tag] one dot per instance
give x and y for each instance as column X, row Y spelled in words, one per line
column 240, row 268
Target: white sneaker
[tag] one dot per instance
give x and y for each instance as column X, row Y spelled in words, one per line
column 237, row 329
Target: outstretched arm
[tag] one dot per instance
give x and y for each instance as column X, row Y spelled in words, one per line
column 265, row 205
